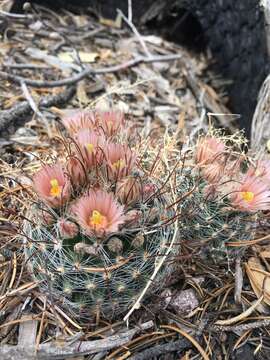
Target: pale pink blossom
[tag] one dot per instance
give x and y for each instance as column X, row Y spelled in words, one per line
column 67, row 229
column 79, row 119
column 52, row 185
column 110, row 122
column 98, row 213
column 261, row 170
column 209, row 149
column 251, row 195
column 91, row 147
column 120, row 160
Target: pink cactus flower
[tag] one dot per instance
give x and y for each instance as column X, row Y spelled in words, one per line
column 90, row 147
column 251, row 195
column 51, row 184
column 120, row 160
column 209, row 149
column 98, row 213
column 261, row 170
column 79, row 119
column 67, row 229
column 109, row 122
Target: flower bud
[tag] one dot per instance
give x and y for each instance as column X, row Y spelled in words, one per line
column 128, row 190
column 82, row 248
column 138, row 241
column 149, row 190
column 76, row 171
column 67, row 229
column 213, row 172
column 115, row 245
column 133, row 217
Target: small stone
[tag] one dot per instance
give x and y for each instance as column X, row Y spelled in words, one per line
column 27, row 7
column 184, row 301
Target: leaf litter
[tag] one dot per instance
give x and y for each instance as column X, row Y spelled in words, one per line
column 46, row 47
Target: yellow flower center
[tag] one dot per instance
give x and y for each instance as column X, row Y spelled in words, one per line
column 110, row 124
column 55, row 188
column 119, row 164
column 247, row 195
column 97, row 220
column 90, row 147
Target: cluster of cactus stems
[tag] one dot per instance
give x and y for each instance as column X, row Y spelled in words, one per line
column 102, row 219
column 224, row 193
column 105, row 214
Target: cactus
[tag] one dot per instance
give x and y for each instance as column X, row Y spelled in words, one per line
column 221, row 196
column 210, row 224
column 106, row 215
column 94, row 238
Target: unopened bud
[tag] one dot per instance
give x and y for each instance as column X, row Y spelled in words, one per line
column 83, row 248
column 76, row 171
column 133, row 217
column 128, row 190
column 115, row 245
column 138, row 241
column 149, row 190
column 67, row 229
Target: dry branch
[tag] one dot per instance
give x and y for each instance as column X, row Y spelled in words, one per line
column 50, row 351
column 11, row 119
column 88, row 71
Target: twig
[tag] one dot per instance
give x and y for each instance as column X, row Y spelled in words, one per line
column 62, row 34
column 136, row 32
column 242, row 327
column 19, row 114
column 190, row 338
column 238, row 280
column 78, row 77
column 26, row 66
column 161, row 349
column 50, row 351
column 242, row 316
column 15, row 16
column 130, row 11
column 30, row 100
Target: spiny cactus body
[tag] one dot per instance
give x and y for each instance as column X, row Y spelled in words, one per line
column 110, row 213
column 221, row 196
column 96, row 237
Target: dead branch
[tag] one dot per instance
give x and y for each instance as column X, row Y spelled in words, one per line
column 158, row 350
column 15, row 117
column 88, row 71
column 50, row 351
